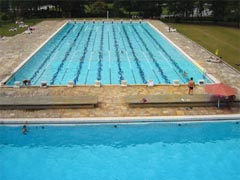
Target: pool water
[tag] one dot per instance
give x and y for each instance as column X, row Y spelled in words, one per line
column 196, row 151
column 109, row 52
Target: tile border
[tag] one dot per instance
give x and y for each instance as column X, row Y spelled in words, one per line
column 101, row 120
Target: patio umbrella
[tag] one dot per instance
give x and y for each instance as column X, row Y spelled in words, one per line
column 220, row 89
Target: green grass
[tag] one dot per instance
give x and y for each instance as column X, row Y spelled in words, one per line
column 225, row 39
column 4, row 29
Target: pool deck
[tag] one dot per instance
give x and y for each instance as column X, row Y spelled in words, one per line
column 111, row 102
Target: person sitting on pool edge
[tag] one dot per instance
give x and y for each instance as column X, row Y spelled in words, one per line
column 191, row 85
column 26, row 82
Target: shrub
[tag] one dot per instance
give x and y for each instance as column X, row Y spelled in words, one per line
column 5, row 17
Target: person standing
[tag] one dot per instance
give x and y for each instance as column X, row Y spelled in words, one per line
column 191, row 85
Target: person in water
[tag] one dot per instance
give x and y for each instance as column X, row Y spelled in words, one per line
column 184, row 74
column 24, row 129
column 191, row 85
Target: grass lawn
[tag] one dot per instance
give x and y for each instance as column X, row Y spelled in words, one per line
column 4, row 29
column 225, row 39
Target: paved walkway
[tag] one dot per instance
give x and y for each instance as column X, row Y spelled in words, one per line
column 14, row 50
column 111, row 98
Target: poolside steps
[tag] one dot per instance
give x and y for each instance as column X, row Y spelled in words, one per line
column 175, row 100
column 48, row 102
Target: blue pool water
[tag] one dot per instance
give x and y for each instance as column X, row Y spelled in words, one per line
column 109, row 52
column 196, row 151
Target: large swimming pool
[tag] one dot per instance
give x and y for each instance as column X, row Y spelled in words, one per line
column 196, row 151
column 110, row 52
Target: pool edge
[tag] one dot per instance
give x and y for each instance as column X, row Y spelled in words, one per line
column 138, row 119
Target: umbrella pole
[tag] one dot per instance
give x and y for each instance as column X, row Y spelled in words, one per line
column 218, row 105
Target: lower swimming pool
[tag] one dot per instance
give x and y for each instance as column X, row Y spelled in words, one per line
column 121, row 151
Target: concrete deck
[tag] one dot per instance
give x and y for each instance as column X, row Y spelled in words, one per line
column 177, row 100
column 48, row 102
column 111, row 98
column 168, row 100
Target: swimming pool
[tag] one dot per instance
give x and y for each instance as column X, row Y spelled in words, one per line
column 183, row 150
column 110, row 52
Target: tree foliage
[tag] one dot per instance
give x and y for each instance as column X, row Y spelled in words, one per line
column 98, row 9
column 219, row 10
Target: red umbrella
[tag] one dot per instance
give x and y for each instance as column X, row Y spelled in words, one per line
column 220, row 89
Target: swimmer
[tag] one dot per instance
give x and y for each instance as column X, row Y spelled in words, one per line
column 24, row 129
column 184, row 73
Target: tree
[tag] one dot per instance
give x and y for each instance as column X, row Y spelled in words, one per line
column 99, row 8
column 199, row 5
column 117, row 9
column 218, row 10
column 129, row 5
column 4, row 6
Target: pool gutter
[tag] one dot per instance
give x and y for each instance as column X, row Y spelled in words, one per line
column 109, row 120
